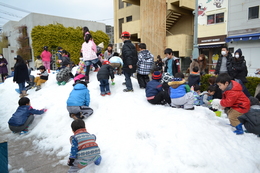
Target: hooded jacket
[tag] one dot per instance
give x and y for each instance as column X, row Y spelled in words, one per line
column 234, row 97
column 79, row 96
column 145, row 62
column 239, row 68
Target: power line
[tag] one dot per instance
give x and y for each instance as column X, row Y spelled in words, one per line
column 10, row 14
column 14, row 8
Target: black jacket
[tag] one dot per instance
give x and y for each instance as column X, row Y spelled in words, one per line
column 105, row 71
column 251, row 120
column 239, row 69
column 193, row 79
column 229, row 66
column 175, row 64
column 21, row 73
column 129, row 56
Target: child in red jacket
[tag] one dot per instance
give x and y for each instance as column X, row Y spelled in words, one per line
column 233, row 98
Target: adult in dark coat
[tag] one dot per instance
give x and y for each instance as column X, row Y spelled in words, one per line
column 251, row 119
column 21, row 75
column 3, row 67
column 239, row 68
column 224, row 62
column 129, row 56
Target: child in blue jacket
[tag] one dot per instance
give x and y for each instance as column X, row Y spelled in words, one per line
column 23, row 116
column 78, row 101
column 84, row 149
column 180, row 93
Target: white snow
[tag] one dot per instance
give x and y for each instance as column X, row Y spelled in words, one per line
column 133, row 135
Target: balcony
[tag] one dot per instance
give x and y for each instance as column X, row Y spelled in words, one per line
column 133, row 27
column 135, row 2
column 188, row 4
column 182, row 43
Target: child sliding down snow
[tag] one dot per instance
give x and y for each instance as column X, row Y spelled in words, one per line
column 84, row 149
column 23, row 117
column 64, row 75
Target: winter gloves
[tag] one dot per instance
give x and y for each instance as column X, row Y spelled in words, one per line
column 216, row 104
column 70, row 162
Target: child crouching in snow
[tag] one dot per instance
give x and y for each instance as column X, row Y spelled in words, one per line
column 180, row 93
column 233, row 98
column 105, row 71
column 64, row 75
column 42, row 78
column 84, row 149
column 154, row 91
column 78, row 101
column 23, row 117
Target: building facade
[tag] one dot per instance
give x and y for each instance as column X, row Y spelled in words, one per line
column 243, row 31
column 35, row 19
column 158, row 23
column 212, row 29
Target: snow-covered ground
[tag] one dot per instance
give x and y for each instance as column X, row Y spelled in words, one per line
column 133, row 135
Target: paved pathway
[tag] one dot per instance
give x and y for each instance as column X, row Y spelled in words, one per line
column 22, row 154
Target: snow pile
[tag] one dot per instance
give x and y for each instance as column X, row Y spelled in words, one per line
column 133, row 135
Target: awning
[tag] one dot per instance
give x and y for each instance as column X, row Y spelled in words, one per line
column 211, row 45
column 243, row 37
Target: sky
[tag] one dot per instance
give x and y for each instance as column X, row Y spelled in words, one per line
column 98, row 10
column 133, row 135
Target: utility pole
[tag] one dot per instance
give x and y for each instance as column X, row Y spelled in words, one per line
column 195, row 51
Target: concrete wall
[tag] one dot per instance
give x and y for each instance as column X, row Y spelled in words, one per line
column 238, row 17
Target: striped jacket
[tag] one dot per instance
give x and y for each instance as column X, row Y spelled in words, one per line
column 145, row 62
column 83, row 145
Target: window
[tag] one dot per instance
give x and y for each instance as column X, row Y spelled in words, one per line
column 121, row 4
column 253, row 12
column 220, row 18
column 215, row 18
column 211, row 19
column 120, row 23
column 129, row 19
column 128, row 4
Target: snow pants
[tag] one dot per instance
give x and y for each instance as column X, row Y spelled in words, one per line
column 187, row 101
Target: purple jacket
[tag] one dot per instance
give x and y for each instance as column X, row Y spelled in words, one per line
column 3, row 68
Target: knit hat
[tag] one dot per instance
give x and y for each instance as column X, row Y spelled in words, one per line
column 101, row 45
column 157, row 75
column 59, row 48
column 125, row 34
column 106, row 62
column 167, row 77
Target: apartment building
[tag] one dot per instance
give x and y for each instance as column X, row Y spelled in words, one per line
column 158, row 23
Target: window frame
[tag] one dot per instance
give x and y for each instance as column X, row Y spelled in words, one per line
column 250, row 17
column 215, row 18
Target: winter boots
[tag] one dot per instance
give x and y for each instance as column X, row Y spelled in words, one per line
column 239, row 129
column 23, row 94
column 38, row 88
